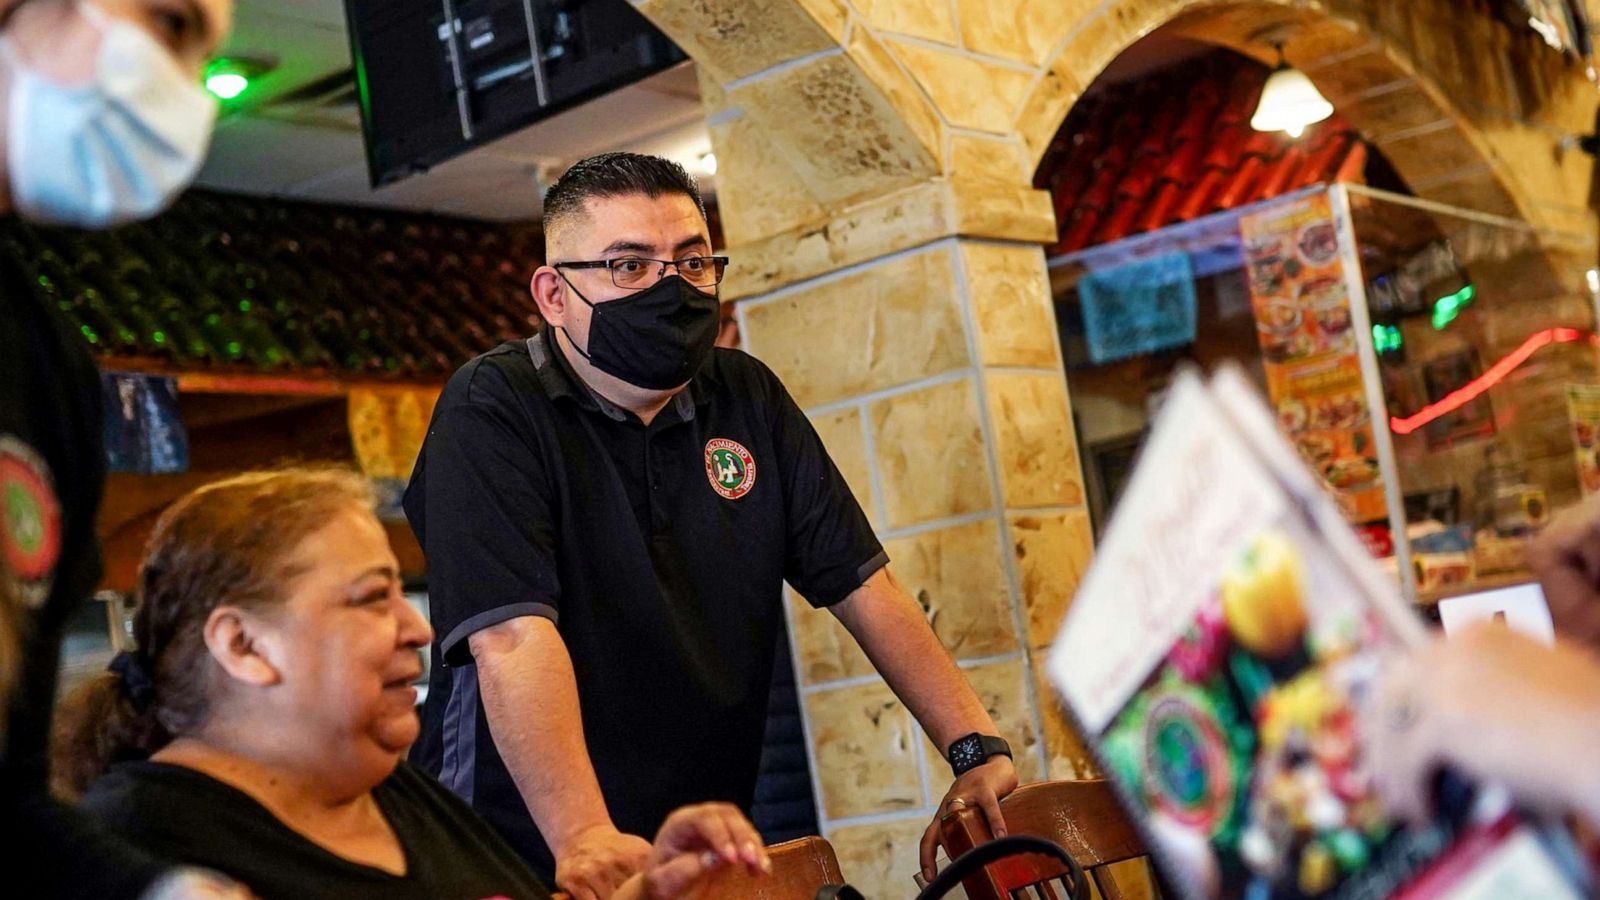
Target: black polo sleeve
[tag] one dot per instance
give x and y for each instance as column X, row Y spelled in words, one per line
column 480, row 504
column 832, row 550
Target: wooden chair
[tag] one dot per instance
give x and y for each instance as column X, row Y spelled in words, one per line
column 799, row 869
column 1082, row 816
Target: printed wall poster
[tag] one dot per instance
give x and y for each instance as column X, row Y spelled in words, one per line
column 1583, row 410
column 1302, row 310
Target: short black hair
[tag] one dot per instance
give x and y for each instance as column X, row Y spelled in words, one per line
column 616, row 175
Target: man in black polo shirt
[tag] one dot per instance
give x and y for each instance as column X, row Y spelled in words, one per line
column 609, row 510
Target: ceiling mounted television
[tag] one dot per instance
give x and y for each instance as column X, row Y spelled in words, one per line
column 436, row 78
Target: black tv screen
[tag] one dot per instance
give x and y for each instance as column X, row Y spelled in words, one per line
column 430, row 90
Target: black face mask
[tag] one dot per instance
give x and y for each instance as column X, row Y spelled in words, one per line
column 656, row 339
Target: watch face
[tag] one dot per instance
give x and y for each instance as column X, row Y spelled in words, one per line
column 966, row 752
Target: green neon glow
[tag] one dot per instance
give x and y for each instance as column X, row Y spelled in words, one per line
column 1447, row 308
column 1386, row 338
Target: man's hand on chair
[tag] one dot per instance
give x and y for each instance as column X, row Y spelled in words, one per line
column 981, row 787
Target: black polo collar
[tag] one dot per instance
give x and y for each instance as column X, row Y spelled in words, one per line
column 558, row 380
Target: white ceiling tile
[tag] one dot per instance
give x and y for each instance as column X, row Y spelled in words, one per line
column 517, row 199
column 492, row 192
column 318, row 12
column 265, row 155
column 301, row 52
column 339, row 185
column 609, row 122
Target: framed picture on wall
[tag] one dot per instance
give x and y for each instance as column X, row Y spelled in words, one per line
column 1442, row 376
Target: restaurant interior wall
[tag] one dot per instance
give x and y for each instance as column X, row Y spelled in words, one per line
column 876, row 165
column 267, row 314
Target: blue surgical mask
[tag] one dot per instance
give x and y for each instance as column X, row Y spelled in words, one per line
column 118, row 148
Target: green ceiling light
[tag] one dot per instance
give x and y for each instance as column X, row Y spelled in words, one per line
column 227, row 85
column 230, row 77
column 1448, row 307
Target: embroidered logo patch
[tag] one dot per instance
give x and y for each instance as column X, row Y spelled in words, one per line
column 730, row 468
column 30, row 519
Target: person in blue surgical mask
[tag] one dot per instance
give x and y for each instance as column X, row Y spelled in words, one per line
column 103, row 121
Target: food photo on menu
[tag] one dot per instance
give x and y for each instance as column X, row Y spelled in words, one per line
column 1219, row 674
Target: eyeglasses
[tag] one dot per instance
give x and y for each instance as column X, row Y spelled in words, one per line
column 636, row 272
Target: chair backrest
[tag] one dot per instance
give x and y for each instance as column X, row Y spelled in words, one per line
column 799, row 869
column 1082, row 816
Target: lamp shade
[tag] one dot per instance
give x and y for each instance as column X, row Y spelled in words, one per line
column 1290, row 103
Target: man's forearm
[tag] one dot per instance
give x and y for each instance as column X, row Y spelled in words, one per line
column 531, row 699
column 889, row 625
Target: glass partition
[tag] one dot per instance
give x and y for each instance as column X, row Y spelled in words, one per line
column 1437, row 367
column 1483, row 334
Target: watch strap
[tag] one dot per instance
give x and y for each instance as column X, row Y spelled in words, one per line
column 974, row 750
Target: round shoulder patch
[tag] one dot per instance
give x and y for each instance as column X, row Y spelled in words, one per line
column 30, row 518
column 730, row 468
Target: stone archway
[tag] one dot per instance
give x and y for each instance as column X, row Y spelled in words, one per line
column 875, row 167
column 819, row 107
column 1393, row 71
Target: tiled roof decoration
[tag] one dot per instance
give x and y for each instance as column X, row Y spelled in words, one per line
column 230, row 282
column 1176, row 146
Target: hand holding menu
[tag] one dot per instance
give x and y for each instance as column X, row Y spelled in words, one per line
column 1216, row 656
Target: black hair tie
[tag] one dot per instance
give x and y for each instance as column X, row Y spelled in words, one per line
column 136, row 682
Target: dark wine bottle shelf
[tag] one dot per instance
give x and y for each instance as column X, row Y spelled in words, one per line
column 238, row 282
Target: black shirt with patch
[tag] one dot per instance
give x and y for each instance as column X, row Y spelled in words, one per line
column 189, row 816
column 52, row 473
column 659, row 551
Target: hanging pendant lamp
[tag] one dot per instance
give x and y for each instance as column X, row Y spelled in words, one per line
column 1289, row 101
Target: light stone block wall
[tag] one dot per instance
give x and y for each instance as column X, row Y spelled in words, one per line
column 933, row 376
column 844, row 101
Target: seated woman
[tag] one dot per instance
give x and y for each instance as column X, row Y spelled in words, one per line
column 260, row 727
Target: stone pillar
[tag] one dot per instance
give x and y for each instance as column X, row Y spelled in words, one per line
column 910, row 315
column 933, row 374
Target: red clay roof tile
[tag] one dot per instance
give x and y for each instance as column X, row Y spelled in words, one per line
column 1178, row 146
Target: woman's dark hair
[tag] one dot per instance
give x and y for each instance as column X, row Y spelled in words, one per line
column 228, row 543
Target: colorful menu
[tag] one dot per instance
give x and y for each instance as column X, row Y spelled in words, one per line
column 1216, row 657
column 1583, row 410
column 1302, row 309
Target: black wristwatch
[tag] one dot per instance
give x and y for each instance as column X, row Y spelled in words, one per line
column 974, row 750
